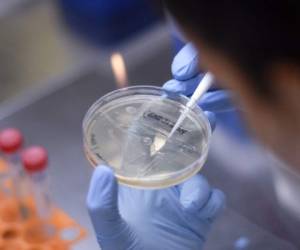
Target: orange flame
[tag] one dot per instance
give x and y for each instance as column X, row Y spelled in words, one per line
column 119, row 70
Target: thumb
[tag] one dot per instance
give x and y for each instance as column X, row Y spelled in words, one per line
column 194, row 193
column 102, row 201
column 197, row 197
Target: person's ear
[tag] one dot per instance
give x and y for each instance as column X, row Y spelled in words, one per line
column 285, row 84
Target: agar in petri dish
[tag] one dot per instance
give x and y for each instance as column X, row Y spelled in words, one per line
column 128, row 128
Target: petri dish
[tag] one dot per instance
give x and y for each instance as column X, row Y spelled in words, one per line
column 127, row 130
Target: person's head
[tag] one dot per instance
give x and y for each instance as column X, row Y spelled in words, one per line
column 253, row 48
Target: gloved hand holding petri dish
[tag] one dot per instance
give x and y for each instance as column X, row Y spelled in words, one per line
column 128, row 130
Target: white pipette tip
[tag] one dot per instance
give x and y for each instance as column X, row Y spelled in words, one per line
column 203, row 86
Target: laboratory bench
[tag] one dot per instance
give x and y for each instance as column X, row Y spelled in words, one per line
column 51, row 113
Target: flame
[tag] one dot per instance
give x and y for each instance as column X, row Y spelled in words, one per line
column 119, row 69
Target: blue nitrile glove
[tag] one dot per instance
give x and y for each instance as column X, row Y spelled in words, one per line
column 175, row 218
column 185, row 70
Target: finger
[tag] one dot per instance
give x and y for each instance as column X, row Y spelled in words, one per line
column 194, row 193
column 102, row 202
column 212, row 119
column 214, row 206
column 216, row 101
column 185, row 63
column 183, row 87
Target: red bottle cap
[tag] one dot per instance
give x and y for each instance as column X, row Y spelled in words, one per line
column 34, row 158
column 11, row 140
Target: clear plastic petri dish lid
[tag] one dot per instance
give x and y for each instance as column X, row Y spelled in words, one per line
column 127, row 130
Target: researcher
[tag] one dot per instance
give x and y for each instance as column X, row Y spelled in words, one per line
column 253, row 49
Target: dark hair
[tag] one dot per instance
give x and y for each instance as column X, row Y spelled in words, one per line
column 253, row 33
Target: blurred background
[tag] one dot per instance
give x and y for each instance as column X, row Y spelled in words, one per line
column 59, row 56
column 41, row 40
